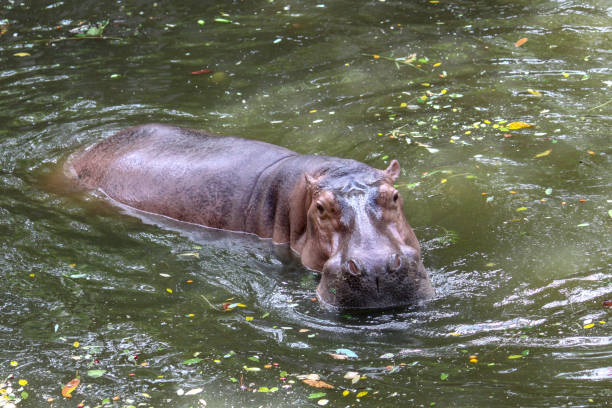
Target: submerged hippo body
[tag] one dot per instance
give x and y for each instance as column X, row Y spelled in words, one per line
column 341, row 216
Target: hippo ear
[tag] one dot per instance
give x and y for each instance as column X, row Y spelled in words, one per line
column 393, row 171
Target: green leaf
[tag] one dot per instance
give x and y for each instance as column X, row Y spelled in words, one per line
column 222, row 20
column 525, row 352
column 24, row 395
column 253, row 369
column 317, row 395
column 584, row 224
column 254, row 358
column 201, row 22
column 234, row 380
column 521, row 209
column 192, row 361
column 283, row 374
column 515, row 356
column 548, row 191
column 443, row 376
column 95, row 373
column 610, row 213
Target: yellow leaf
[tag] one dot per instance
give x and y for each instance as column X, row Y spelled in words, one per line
column 248, row 318
column 519, row 125
column 546, row 153
column 23, row 382
column 345, row 393
column 443, row 181
column 168, row 290
column 588, row 326
column 76, row 344
column 21, row 54
column 455, row 334
column 534, row 92
column 362, row 394
column 437, row 64
column 376, row 56
column 14, row 364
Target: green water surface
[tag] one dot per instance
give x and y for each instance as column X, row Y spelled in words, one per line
column 515, row 224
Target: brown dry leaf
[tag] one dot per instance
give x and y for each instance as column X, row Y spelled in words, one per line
column 520, row 42
column 338, row 356
column 69, row 387
column 317, row 384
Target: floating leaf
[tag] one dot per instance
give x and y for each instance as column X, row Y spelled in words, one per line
column 346, row 352
column 520, row 42
column 543, row 154
column 584, row 224
column 192, row 361
column 69, row 387
column 322, row 402
column 201, row 71
column 95, row 373
column 194, row 391
column 21, row 54
column 443, row 376
column 521, row 209
column 588, row 326
column 317, row 395
column 518, row 125
column 515, row 356
column 254, row 358
column 338, row 356
column 387, row 355
column 194, row 254
column 610, row 213
column 251, row 369
column 201, row 22
column 24, row 395
column 317, row 384
column 222, row 20
column 548, row 191
column 362, row 394
column 534, row 92
column 22, row 382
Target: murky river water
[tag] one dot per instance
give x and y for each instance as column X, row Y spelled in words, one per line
column 514, row 222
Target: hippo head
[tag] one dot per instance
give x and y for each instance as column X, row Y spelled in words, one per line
column 358, row 237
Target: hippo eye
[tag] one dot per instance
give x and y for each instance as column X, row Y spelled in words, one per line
column 320, row 208
column 395, row 197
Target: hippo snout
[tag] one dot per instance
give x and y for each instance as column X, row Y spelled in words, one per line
column 372, row 281
column 397, row 262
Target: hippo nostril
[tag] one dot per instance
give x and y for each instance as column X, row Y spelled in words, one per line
column 353, row 268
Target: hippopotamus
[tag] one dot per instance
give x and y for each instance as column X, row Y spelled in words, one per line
column 342, row 217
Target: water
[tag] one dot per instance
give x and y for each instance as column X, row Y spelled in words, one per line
column 514, row 223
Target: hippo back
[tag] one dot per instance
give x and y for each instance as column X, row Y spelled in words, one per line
column 184, row 174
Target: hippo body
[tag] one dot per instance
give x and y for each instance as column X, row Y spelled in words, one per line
column 341, row 216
